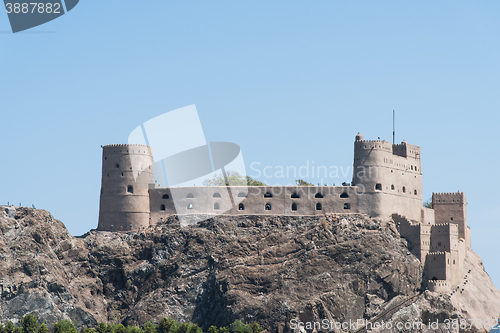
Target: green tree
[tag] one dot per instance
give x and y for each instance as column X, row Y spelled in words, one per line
column 133, row 329
column 2, row 328
column 64, row 326
column 238, row 327
column 213, row 329
column 254, row 182
column 196, row 329
column 128, row 284
column 301, row 182
column 86, row 330
column 256, row 328
column 184, row 328
column 29, row 323
column 428, row 203
column 43, row 329
column 102, row 328
column 120, row 329
column 168, row 326
column 224, row 330
column 9, row 327
column 149, row 327
column 233, row 179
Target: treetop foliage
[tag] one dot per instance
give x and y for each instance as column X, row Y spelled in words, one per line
column 29, row 324
column 301, row 182
column 233, row 179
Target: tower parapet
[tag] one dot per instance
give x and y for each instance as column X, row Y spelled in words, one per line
column 126, row 172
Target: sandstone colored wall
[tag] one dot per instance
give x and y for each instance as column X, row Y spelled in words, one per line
column 441, row 286
column 451, row 208
column 427, row 216
column 391, row 177
column 222, row 200
column 436, row 267
column 126, row 172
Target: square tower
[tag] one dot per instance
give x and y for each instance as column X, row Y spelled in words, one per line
column 451, row 208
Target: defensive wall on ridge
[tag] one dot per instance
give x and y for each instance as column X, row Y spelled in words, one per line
column 253, row 200
column 386, row 182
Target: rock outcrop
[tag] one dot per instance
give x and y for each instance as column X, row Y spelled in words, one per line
column 266, row 269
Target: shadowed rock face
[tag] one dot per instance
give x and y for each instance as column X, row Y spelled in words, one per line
column 264, row 269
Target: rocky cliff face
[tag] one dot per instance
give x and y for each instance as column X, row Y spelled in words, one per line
column 266, row 269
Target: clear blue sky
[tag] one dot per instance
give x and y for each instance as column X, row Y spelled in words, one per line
column 289, row 81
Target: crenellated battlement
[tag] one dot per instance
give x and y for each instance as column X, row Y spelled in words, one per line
column 374, row 141
column 442, row 286
column 457, row 197
column 451, row 225
column 437, row 282
column 124, row 145
column 439, row 253
column 126, row 149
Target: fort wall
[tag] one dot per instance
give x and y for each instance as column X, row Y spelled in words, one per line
column 253, row 200
column 441, row 286
column 391, row 175
column 436, row 266
column 126, row 172
column 387, row 182
column 451, row 208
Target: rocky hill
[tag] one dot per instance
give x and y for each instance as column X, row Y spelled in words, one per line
column 271, row 270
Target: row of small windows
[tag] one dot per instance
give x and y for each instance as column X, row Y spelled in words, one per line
column 266, row 195
column 268, row 206
column 413, row 168
column 378, row 187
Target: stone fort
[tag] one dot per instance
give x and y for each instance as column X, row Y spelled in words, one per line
column 386, row 184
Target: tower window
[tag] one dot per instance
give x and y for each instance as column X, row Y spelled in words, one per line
column 216, row 195
column 216, row 206
column 117, row 166
column 294, row 206
column 122, row 174
column 347, row 206
column 318, row 195
column 415, row 192
column 268, row 206
column 295, row 195
column 241, row 207
column 190, row 206
column 344, row 195
column 268, row 195
column 190, row 195
column 165, row 196
column 392, row 187
column 319, row 206
column 404, row 189
column 130, row 189
column 162, row 207
column 378, row 187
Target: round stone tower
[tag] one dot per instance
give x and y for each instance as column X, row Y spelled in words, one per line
column 389, row 177
column 127, row 171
